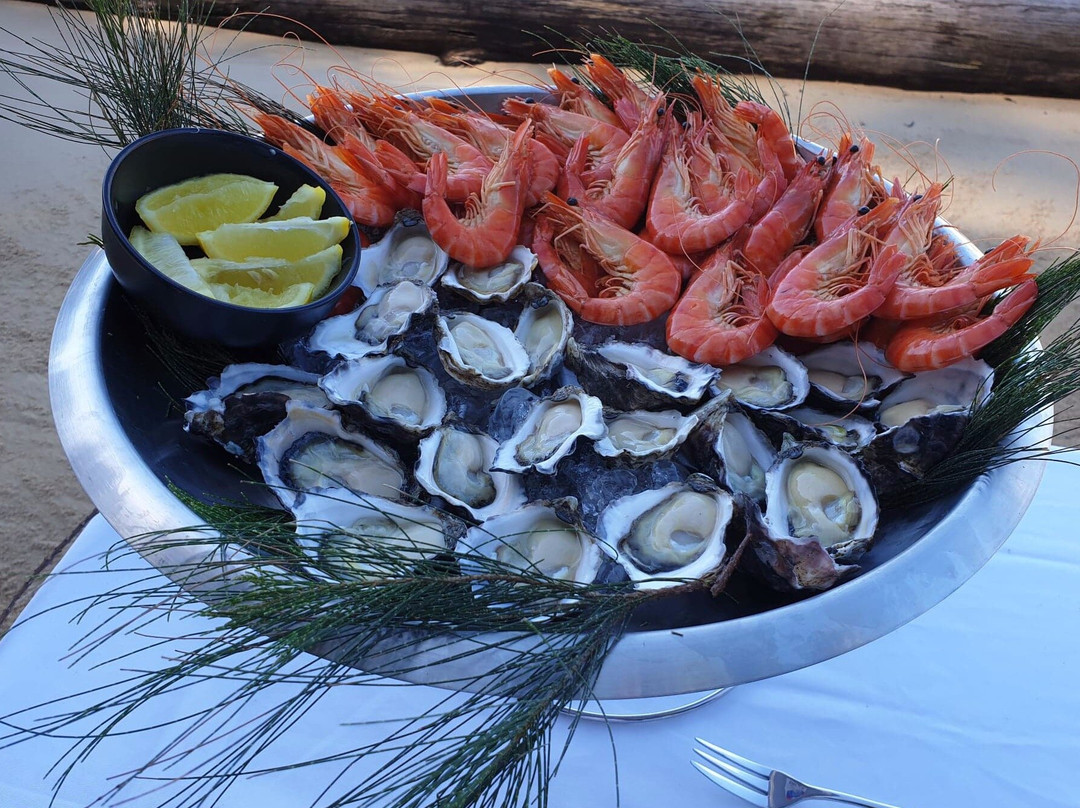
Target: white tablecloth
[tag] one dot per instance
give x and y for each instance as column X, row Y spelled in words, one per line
column 975, row 703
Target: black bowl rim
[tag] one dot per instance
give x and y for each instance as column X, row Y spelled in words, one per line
column 114, row 225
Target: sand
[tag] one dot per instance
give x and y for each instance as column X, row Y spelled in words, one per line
column 1013, row 160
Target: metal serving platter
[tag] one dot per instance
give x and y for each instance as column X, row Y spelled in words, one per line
column 113, row 403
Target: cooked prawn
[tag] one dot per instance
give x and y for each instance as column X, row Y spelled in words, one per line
column 787, row 222
column 487, row 232
column 722, row 115
column 677, row 221
column 365, row 189
column 720, row 318
column 772, row 127
column 940, row 341
column 856, row 183
column 839, row 282
column 565, row 128
column 939, row 281
column 603, row 272
column 576, row 97
column 621, row 198
column 630, row 102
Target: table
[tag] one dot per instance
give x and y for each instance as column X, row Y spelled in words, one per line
column 973, row 703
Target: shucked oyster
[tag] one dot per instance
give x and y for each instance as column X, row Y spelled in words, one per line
column 454, row 464
column 480, row 352
column 495, row 284
column 728, row 447
column 369, row 536
column 638, row 376
column 369, row 330
column 405, row 253
column 543, row 328
column 246, row 401
column 846, row 374
column 387, row 393
column 820, row 515
column 310, row 451
column 542, row 538
column 641, row 436
column 550, row 431
column 772, row 379
column 669, row 533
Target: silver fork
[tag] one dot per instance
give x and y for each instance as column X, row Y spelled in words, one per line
column 763, row 786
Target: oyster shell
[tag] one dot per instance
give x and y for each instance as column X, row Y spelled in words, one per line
column 386, row 314
column 387, row 393
column 817, row 493
column 541, row 538
column 495, row 284
column 480, row 352
column 641, row 436
column 310, row 450
column 544, row 328
column 845, row 374
column 850, row 432
column 728, row 447
column 550, row 431
column 248, row 400
column 951, row 389
column 772, row 379
column 405, row 252
column 369, row 536
column 669, row 533
column 454, row 464
column 639, row 376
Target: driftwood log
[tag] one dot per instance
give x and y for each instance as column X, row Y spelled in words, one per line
column 1000, row 46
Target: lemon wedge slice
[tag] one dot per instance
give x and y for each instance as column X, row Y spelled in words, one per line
column 167, row 256
column 296, row 295
column 291, row 239
column 306, row 201
column 273, row 275
column 187, row 208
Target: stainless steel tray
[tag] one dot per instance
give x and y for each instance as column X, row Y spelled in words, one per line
column 112, row 403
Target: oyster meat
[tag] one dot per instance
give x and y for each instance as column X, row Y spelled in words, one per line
column 845, row 374
column 669, row 533
column 480, row 352
column 405, row 253
column 310, row 450
column 641, row 436
column 543, row 329
column 772, row 379
column 388, row 393
column 454, row 464
column 729, row 448
column 550, row 431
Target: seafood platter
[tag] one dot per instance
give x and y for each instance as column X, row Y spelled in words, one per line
column 524, row 375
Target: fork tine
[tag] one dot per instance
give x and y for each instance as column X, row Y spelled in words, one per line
column 748, row 779
column 734, row 786
column 738, row 760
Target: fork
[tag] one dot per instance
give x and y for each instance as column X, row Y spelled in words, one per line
column 763, row 786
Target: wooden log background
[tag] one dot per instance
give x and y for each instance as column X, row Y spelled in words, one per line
column 986, row 46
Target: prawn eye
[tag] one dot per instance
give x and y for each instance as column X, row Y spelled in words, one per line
column 575, row 79
column 916, row 198
column 659, row 112
column 854, row 148
column 530, row 100
column 863, row 210
column 571, row 200
column 821, row 160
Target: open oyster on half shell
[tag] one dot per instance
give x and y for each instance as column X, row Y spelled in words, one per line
column 387, row 394
column 368, row 330
column 405, row 253
column 771, row 379
column 550, row 431
column 495, row 284
column 480, row 352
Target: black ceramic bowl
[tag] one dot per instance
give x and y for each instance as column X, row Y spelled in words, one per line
column 173, row 155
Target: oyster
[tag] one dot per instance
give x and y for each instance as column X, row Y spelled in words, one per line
column 550, row 431
column 669, row 533
column 816, row 492
column 388, row 393
column 388, row 313
column 641, row 436
column 772, row 379
column 495, row 284
column 729, row 448
column 405, row 252
column 370, row 536
column 454, row 465
column 639, row 376
column 923, row 418
column 850, row 432
column 544, row 328
column 541, row 538
column 310, row 451
column 246, row 401
column 845, row 374
column 480, row 352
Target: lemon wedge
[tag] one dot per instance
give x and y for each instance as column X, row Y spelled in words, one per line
column 291, row 239
column 273, row 275
column 296, row 295
column 187, row 208
column 306, row 201
column 167, row 256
